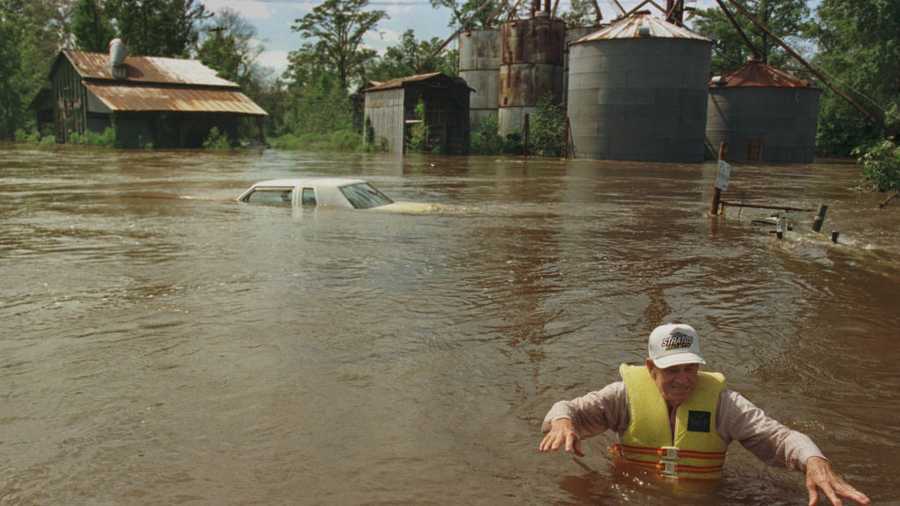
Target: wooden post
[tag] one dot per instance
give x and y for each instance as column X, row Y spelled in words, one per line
column 260, row 124
column 717, row 193
column 525, row 136
column 820, row 218
column 887, row 200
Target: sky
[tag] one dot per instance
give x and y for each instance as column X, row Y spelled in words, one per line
column 273, row 20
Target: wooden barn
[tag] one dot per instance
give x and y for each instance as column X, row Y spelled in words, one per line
column 149, row 101
column 390, row 112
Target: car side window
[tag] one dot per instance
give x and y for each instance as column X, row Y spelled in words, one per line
column 270, row 196
column 308, row 197
column 364, row 196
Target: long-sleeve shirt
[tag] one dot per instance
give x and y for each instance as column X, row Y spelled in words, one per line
column 737, row 419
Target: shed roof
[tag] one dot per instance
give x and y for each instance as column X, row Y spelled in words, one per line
column 155, row 98
column 400, row 82
column 756, row 74
column 631, row 27
column 146, row 69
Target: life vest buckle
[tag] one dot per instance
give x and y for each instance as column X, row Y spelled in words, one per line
column 668, row 468
column 669, row 453
column 668, row 461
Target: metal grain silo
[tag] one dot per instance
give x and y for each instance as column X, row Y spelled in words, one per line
column 479, row 63
column 573, row 33
column 764, row 114
column 531, row 68
column 638, row 90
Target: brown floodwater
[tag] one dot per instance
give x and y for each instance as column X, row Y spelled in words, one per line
column 164, row 344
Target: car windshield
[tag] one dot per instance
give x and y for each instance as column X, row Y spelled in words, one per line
column 364, row 196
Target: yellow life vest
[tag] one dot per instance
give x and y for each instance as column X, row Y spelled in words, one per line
column 697, row 450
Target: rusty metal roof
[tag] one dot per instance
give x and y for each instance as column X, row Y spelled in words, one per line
column 401, row 81
column 147, row 69
column 149, row 98
column 633, row 26
column 756, row 74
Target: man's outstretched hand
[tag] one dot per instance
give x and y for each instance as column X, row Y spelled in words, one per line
column 819, row 475
column 562, row 433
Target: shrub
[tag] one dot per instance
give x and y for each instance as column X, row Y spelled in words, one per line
column 881, row 165
column 485, row 139
column 380, row 147
column 216, row 140
column 418, row 133
column 547, row 129
column 29, row 136
column 340, row 140
column 512, row 144
column 106, row 139
column 90, row 138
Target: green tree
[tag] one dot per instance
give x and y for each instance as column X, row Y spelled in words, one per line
column 31, row 31
column 411, row 57
column 788, row 19
column 471, row 14
column 229, row 48
column 10, row 87
column 336, row 29
column 158, row 27
column 859, row 47
column 92, row 29
column 580, row 13
column 273, row 97
column 319, row 106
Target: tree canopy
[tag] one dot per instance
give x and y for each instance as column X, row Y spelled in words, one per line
column 229, row 48
column 335, row 29
column 859, row 47
column 471, row 14
column 91, row 27
column 158, row 27
column 411, row 56
column 31, row 33
column 785, row 18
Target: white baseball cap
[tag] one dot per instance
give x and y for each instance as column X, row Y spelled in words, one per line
column 674, row 344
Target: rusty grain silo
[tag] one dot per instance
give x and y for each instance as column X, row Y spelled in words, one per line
column 479, row 63
column 764, row 114
column 638, row 91
column 531, row 68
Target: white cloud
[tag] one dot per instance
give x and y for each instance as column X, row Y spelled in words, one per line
column 248, row 9
column 382, row 40
column 277, row 60
column 396, row 10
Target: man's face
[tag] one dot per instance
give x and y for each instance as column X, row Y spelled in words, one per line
column 675, row 383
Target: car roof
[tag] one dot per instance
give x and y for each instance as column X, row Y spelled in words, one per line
column 310, row 181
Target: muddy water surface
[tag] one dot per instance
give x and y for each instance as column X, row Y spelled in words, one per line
column 163, row 344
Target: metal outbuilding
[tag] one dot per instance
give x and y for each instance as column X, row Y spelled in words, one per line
column 764, row 114
column 164, row 102
column 638, row 91
column 390, row 112
column 479, row 64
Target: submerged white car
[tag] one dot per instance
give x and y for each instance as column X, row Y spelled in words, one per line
column 317, row 192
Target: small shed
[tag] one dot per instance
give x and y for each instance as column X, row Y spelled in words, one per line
column 390, row 112
column 163, row 102
column 764, row 114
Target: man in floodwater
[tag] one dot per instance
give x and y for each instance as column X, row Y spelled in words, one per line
column 676, row 421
